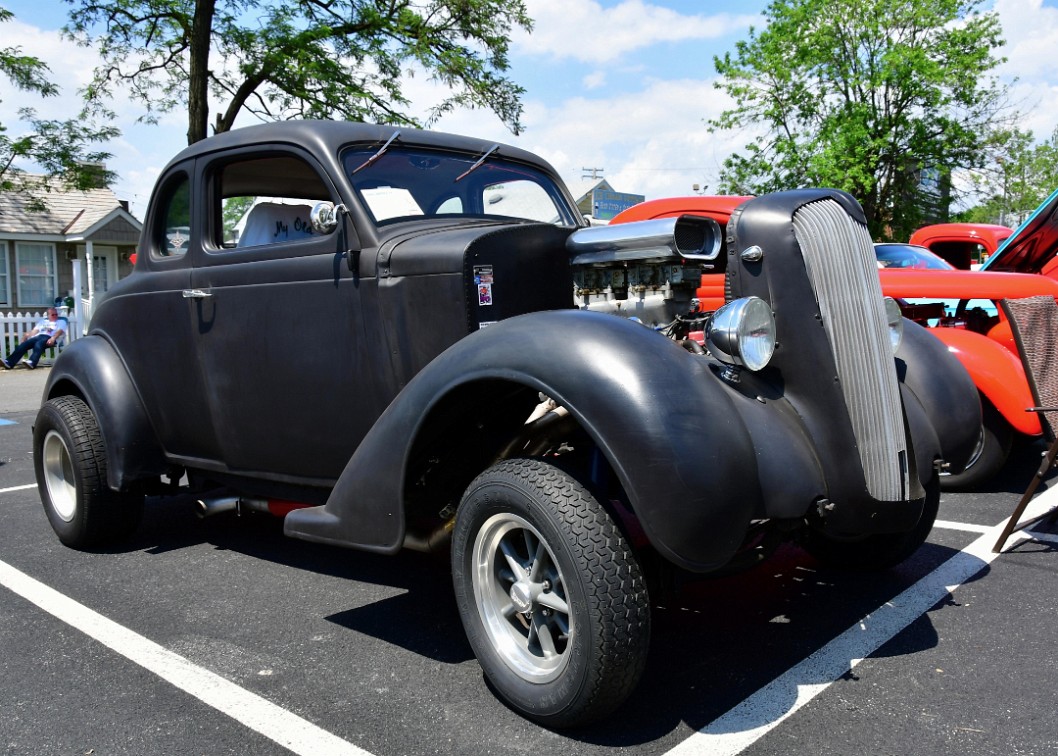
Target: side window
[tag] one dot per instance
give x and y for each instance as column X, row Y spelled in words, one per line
column 265, row 200
column 173, row 223
column 450, row 205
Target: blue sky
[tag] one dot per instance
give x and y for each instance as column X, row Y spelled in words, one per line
column 622, row 85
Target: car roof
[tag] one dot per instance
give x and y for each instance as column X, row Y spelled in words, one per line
column 961, row 231
column 330, row 136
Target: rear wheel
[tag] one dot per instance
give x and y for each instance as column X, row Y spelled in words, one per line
column 876, row 552
column 71, row 468
column 550, row 594
column 990, row 454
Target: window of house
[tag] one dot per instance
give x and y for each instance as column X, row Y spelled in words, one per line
column 266, row 199
column 37, row 281
column 104, row 262
column 100, row 274
column 5, row 276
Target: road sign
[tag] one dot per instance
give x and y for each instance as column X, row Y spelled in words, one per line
column 606, row 204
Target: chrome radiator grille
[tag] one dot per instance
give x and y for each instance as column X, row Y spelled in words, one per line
column 850, row 301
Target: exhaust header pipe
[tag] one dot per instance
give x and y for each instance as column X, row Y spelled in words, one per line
column 691, row 237
column 213, row 505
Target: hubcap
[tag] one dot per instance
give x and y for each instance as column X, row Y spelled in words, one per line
column 521, row 598
column 59, row 476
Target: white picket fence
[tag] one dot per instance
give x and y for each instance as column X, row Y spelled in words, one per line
column 14, row 325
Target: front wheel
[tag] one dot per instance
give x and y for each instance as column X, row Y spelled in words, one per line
column 876, row 552
column 69, row 459
column 990, row 454
column 551, row 596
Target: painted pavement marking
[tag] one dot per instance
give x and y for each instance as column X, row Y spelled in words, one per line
column 731, row 733
column 249, row 709
column 17, row 488
column 963, row 526
column 756, row 716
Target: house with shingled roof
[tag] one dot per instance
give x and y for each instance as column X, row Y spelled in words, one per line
column 77, row 246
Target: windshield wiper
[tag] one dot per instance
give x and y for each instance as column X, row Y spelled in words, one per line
column 377, row 155
column 474, row 167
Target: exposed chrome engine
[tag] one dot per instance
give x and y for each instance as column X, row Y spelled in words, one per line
column 648, row 270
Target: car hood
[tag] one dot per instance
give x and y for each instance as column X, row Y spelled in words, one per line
column 963, row 284
column 1033, row 245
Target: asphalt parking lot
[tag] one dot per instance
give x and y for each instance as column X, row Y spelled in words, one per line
column 221, row 636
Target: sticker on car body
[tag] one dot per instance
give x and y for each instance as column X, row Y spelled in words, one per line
column 483, row 281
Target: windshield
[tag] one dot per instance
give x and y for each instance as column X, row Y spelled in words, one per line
column 403, row 183
column 908, row 256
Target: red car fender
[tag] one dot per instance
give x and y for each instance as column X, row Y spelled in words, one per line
column 1001, row 334
column 997, row 373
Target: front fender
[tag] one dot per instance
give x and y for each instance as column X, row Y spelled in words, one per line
column 645, row 401
column 998, row 374
column 90, row 367
column 945, row 392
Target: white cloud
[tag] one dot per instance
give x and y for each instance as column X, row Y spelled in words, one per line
column 583, row 30
column 70, row 69
column 648, row 135
column 1031, row 33
column 653, row 141
column 594, row 80
column 141, row 151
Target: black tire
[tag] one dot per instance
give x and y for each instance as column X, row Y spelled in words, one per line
column 528, row 513
column 876, row 552
column 989, row 456
column 71, row 467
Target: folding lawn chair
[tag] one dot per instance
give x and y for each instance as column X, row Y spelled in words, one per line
column 1034, row 322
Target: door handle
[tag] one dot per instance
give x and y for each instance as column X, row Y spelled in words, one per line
column 196, row 294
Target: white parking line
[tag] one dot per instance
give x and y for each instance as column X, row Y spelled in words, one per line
column 253, row 711
column 17, row 488
column 963, row 526
column 731, row 733
column 770, row 706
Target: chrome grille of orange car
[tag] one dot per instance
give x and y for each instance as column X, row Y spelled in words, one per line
column 853, row 312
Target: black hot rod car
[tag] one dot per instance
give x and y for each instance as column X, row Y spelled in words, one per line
column 403, row 339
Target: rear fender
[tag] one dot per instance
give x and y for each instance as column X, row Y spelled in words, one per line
column 645, row 401
column 90, row 368
column 997, row 373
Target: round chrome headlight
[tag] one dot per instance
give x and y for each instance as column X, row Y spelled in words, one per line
column 895, row 320
column 742, row 333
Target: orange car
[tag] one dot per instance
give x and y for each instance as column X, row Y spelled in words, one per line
column 962, row 244
column 959, row 308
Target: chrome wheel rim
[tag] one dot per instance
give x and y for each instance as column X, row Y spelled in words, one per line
column 521, row 598
column 59, row 476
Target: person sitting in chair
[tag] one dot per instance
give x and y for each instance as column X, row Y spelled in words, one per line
column 47, row 333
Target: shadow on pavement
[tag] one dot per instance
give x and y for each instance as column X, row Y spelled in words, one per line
column 714, row 643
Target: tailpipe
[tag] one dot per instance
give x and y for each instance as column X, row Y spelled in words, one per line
column 214, row 505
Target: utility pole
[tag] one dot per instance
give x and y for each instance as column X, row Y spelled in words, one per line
column 593, row 173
